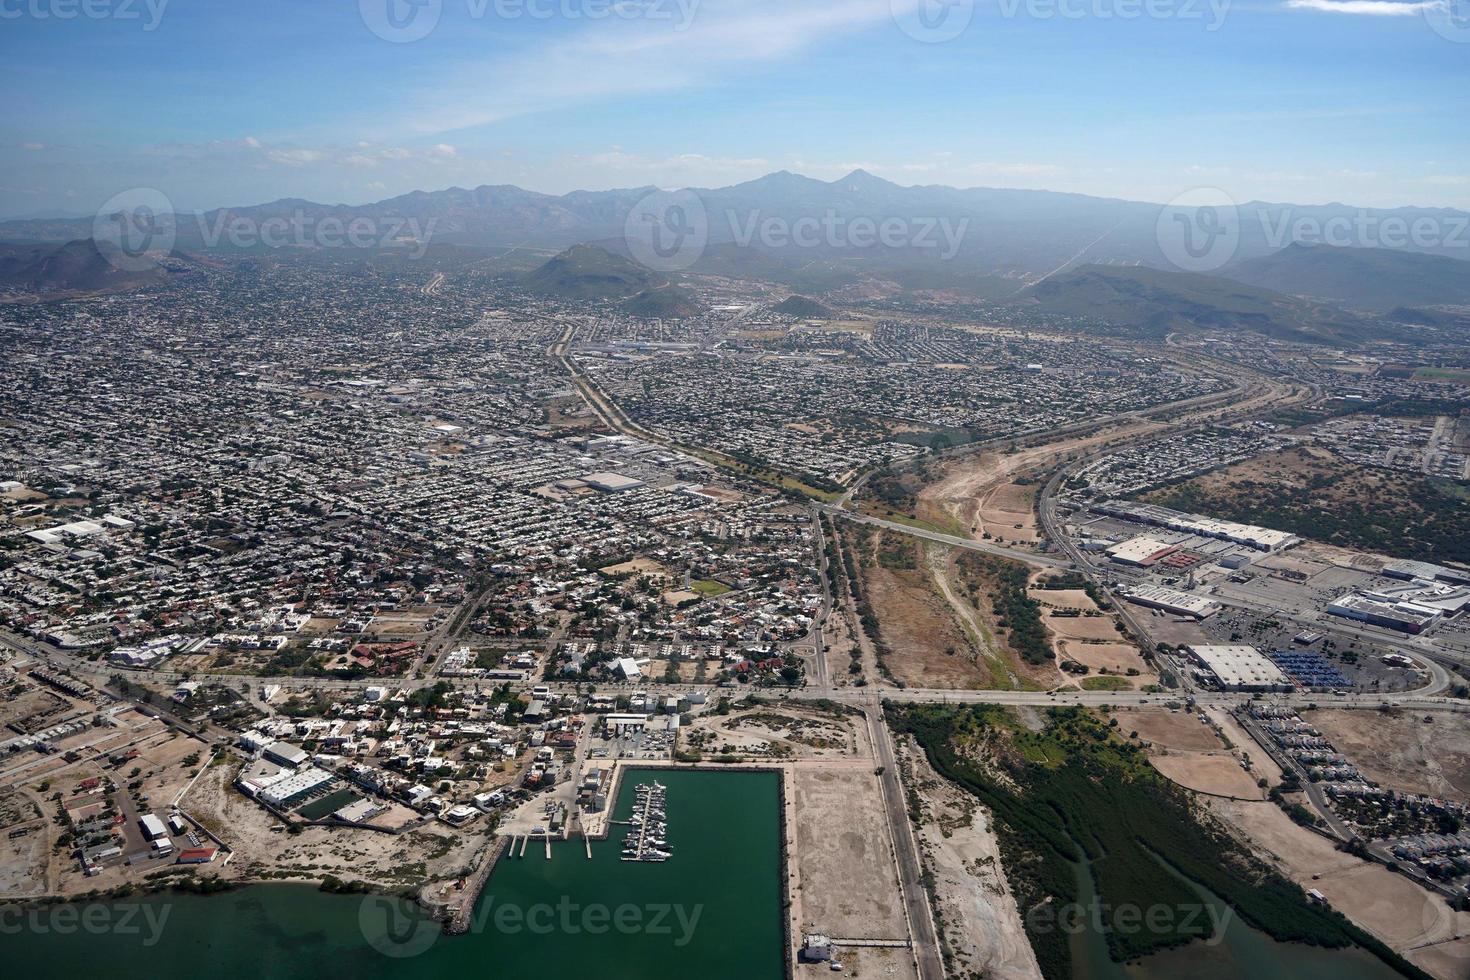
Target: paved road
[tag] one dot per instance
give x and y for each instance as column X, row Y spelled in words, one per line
column 1031, row 558
column 906, row 849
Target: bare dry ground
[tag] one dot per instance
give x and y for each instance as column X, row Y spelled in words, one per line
column 981, row 927
column 1091, row 639
column 979, row 494
column 1399, row 750
column 1178, row 730
column 23, row 858
column 1188, row 751
column 1416, row 923
column 263, row 851
column 789, row 731
column 889, row 964
column 848, row 875
column 927, row 646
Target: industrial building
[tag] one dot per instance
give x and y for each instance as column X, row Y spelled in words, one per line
column 1259, row 538
column 1171, row 600
column 1425, row 571
column 153, row 828
column 611, row 482
column 1238, row 668
column 1141, row 552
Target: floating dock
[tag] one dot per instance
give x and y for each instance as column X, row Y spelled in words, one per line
column 645, row 840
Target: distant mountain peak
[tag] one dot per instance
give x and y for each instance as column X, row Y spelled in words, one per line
column 860, row 179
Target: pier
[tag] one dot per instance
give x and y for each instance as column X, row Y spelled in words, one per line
column 648, row 825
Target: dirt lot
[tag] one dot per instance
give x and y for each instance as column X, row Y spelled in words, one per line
column 848, row 878
column 23, row 859
column 1176, row 730
column 264, row 852
column 1090, row 640
column 1188, row 751
column 1400, row 751
column 981, row 925
column 1414, row 922
column 928, row 648
column 784, row 731
column 978, row 494
column 1082, row 627
column 1113, row 657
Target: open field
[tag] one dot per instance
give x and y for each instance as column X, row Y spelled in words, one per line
column 1398, row 750
column 848, row 876
column 24, row 858
column 1082, row 627
column 1115, row 658
column 1187, row 751
column 1091, row 638
column 926, row 646
column 1176, row 730
column 785, row 731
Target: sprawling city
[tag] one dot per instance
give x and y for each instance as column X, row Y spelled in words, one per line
column 788, row 573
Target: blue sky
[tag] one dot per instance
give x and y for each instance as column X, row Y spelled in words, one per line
column 219, row 102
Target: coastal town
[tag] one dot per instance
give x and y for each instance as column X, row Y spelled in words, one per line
column 405, row 604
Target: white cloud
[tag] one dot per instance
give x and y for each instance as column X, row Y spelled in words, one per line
column 33, row 147
column 444, row 150
column 619, row 59
column 295, row 157
column 1372, row 8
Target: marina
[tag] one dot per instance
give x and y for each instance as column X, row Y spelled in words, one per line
column 683, row 911
column 648, row 826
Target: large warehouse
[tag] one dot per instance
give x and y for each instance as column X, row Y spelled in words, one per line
column 1238, row 668
column 1171, row 600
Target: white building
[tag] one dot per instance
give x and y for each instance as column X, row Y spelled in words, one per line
column 1237, row 667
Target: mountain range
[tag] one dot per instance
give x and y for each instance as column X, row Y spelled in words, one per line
column 950, row 236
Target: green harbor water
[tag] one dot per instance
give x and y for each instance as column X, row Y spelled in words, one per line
column 713, row 910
